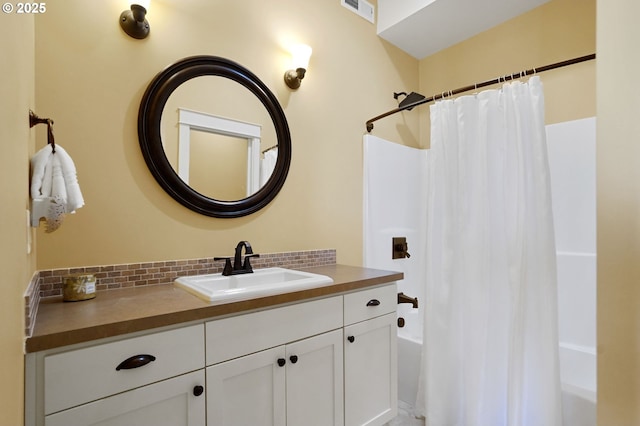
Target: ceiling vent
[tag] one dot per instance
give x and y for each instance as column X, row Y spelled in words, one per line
column 361, row 7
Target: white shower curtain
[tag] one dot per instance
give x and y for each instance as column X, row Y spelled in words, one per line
column 490, row 346
column 268, row 165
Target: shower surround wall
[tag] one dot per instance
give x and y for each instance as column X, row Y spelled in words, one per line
column 572, row 147
column 395, row 185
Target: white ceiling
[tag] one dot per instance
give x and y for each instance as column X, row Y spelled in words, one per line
column 423, row 27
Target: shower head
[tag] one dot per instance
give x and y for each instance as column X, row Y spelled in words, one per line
column 411, row 98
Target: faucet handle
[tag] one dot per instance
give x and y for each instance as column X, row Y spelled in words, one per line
column 228, row 270
column 246, row 265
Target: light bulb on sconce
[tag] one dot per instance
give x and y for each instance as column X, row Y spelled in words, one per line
column 133, row 21
column 300, row 55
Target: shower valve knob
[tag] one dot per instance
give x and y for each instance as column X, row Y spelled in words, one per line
column 400, row 248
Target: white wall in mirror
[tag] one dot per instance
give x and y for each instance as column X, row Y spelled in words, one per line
column 190, row 120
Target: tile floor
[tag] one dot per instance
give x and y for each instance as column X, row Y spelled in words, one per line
column 405, row 417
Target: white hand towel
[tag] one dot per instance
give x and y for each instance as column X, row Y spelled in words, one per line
column 47, row 179
column 38, row 164
column 54, row 181
column 58, row 187
column 74, row 199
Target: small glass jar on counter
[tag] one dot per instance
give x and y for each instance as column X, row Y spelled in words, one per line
column 77, row 287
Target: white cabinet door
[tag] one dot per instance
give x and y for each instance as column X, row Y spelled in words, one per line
column 174, row 402
column 371, row 378
column 248, row 391
column 315, row 381
column 300, row 384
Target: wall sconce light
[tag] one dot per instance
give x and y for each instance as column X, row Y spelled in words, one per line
column 133, row 21
column 300, row 55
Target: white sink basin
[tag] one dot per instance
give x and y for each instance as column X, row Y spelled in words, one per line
column 262, row 282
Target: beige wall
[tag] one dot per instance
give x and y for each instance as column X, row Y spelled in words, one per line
column 90, row 77
column 618, row 188
column 553, row 32
column 17, row 141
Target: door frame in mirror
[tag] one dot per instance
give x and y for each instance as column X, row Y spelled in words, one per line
column 249, row 133
column 150, row 138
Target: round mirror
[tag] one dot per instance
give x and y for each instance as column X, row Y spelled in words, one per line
column 214, row 137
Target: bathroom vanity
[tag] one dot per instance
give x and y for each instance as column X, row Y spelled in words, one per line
column 155, row 356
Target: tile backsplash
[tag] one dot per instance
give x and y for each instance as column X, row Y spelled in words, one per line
column 48, row 283
column 110, row 277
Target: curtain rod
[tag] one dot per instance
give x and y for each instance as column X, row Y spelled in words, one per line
column 483, row 84
column 270, row 148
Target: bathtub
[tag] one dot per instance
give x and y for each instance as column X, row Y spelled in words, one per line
column 409, row 354
column 577, row 372
column 578, row 377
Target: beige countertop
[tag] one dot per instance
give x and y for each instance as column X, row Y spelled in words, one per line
column 117, row 312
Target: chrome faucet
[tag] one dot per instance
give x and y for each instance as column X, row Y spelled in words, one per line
column 239, row 266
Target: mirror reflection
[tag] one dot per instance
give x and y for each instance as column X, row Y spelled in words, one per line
column 217, row 166
column 218, row 138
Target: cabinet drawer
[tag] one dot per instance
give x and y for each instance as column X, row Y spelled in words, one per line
column 365, row 304
column 79, row 376
column 244, row 334
column 169, row 402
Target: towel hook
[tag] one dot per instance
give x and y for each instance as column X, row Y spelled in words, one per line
column 34, row 120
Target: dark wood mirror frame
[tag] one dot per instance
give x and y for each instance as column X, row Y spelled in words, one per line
column 150, row 138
